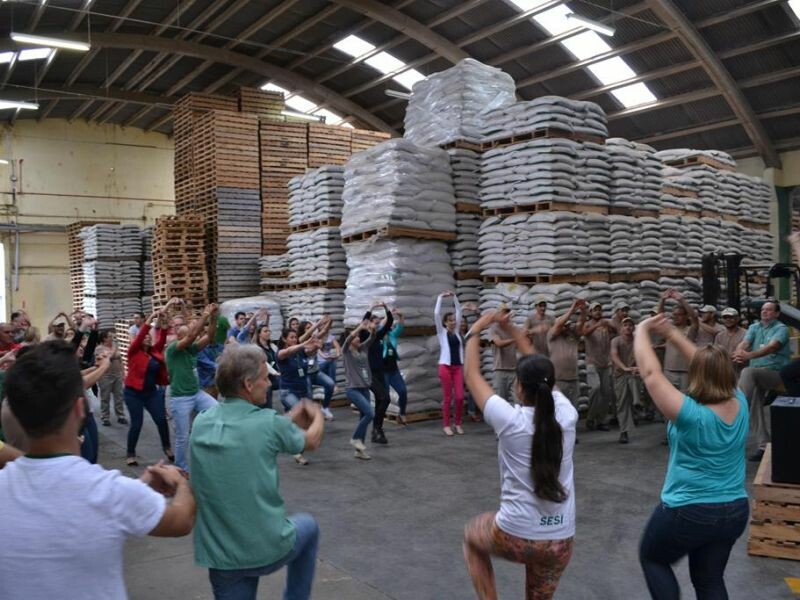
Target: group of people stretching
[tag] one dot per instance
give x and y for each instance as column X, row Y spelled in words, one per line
column 225, row 372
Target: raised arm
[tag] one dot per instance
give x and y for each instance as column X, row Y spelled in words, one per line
column 144, row 330
column 386, row 326
column 519, row 335
column 479, row 388
column 667, row 398
column 96, row 373
column 437, row 311
column 458, row 311
column 196, row 328
column 308, row 416
column 561, row 321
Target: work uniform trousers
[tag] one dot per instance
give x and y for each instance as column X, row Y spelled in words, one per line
column 626, row 389
column 111, row 385
column 601, row 393
column 570, row 388
column 755, row 384
column 503, row 383
column 679, row 379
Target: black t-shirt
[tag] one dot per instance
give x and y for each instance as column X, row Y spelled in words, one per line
column 455, row 349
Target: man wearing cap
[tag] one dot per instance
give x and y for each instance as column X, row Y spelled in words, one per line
column 766, row 347
column 707, row 326
column 597, row 333
column 538, row 324
column 504, row 353
column 621, row 311
column 562, row 341
column 626, row 378
column 684, row 318
column 731, row 335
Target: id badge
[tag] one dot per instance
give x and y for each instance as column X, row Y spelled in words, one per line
column 364, row 374
column 390, row 352
column 301, row 373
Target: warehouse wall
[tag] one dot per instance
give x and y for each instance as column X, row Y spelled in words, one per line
column 66, row 172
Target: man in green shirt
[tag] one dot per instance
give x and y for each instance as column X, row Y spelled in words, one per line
column 242, row 531
column 766, row 347
column 186, row 395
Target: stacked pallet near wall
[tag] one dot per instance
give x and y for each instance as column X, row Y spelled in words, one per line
column 227, row 196
column 178, row 261
column 328, row 145
column 268, row 105
column 185, row 114
column 75, row 252
column 364, row 139
column 123, row 339
column 284, row 154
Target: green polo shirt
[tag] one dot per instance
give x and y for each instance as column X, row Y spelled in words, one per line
column 760, row 336
column 241, row 520
column 182, row 369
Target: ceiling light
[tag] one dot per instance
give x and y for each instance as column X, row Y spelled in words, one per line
column 594, row 25
column 297, row 115
column 16, row 104
column 396, row 94
column 41, row 40
column 3, row 161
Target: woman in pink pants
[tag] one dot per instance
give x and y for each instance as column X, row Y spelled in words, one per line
column 451, row 361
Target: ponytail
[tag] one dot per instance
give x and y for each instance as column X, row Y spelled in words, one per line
column 536, row 376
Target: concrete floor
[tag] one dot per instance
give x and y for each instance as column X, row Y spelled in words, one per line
column 392, row 527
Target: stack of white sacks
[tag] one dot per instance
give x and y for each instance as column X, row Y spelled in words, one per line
column 545, row 112
column 316, row 195
column 635, row 175
column 112, row 271
column 398, row 183
column 464, row 255
column 452, row 105
column 274, row 269
column 679, row 190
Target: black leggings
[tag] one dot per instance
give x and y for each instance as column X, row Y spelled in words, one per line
column 137, row 402
column 378, row 387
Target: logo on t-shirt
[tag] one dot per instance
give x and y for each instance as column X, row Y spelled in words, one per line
column 551, row 520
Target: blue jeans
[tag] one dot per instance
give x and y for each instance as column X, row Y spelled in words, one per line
column 360, row 397
column 242, row 584
column 322, row 380
column 397, row 383
column 153, row 402
column 706, row 532
column 289, row 398
column 182, row 407
column 329, row 368
column 91, row 443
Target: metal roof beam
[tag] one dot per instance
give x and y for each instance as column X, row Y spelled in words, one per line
column 735, row 13
column 716, row 70
column 407, row 26
column 84, row 91
column 237, row 59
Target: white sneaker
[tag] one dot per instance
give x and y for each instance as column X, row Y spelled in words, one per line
column 358, row 444
column 361, row 454
column 326, row 412
column 447, row 431
column 459, row 431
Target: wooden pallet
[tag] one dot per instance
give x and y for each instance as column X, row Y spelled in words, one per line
column 545, row 132
column 775, row 516
column 632, row 212
column 466, row 207
column 463, row 145
column 680, row 273
column 643, row 276
column 463, row 275
column 546, row 206
column 400, row 232
column 534, row 279
column 275, row 287
column 418, row 417
column 693, row 161
column 677, row 212
column 677, row 192
column 419, row 331
column 751, row 225
column 315, row 225
column 332, row 284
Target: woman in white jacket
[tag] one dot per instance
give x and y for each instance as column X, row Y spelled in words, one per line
column 451, row 361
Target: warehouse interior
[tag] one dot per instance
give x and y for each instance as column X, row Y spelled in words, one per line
column 313, row 156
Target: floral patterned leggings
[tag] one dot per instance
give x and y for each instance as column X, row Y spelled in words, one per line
column 544, row 560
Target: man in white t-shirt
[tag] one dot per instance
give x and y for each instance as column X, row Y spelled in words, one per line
column 64, row 520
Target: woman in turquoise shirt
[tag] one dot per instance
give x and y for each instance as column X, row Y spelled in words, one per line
column 391, row 369
column 704, row 506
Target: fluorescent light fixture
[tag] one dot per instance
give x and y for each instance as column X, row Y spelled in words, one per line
column 271, row 87
column 354, row 46
column 6, row 57
column 396, row 94
column 593, row 25
column 35, row 54
column 300, row 104
column 3, row 161
column 586, row 45
column 40, row 40
column 634, row 95
column 555, row 20
column 298, row 115
column 4, row 104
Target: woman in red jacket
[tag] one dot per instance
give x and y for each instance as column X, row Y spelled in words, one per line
column 146, row 371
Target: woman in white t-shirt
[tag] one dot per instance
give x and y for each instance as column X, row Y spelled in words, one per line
column 536, row 521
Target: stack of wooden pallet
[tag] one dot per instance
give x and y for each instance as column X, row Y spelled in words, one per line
column 284, row 154
column 187, row 111
column 179, row 260
column 364, row 139
column 123, row 339
column 75, row 250
column 328, row 145
column 268, row 105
